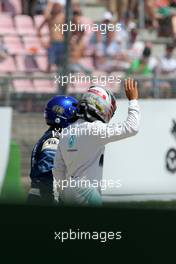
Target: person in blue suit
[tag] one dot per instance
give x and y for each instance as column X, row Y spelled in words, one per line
column 59, row 113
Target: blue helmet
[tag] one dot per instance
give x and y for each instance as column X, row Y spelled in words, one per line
column 60, row 111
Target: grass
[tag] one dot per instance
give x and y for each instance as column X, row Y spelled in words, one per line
column 12, row 190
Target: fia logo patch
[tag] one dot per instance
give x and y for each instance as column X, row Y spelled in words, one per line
column 51, row 143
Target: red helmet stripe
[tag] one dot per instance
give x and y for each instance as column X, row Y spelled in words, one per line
column 103, row 96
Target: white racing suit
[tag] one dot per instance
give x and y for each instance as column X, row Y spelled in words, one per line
column 78, row 162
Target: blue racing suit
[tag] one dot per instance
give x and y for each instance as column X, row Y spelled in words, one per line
column 42, row 159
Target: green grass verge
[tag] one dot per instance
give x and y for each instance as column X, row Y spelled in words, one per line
column 12, row 190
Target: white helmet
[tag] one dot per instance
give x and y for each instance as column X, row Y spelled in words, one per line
column 97, row 104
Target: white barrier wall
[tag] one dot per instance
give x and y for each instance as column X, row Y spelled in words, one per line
column 140, row 162
column 5, row 135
